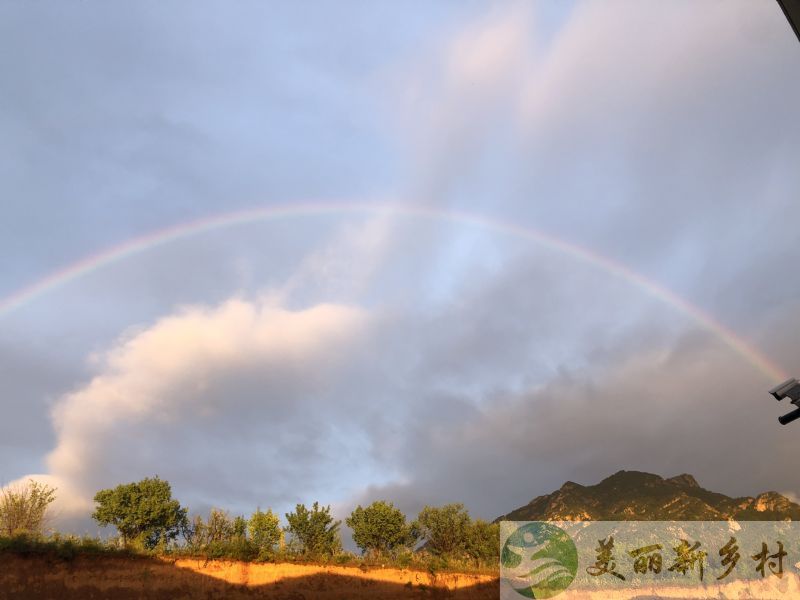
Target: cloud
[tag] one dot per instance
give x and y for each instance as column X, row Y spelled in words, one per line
column 490, row 397
column 686, row 410
column 237, row 369
column 455, row 102
column 639, row 131
column 343, row 266
column 415, row 361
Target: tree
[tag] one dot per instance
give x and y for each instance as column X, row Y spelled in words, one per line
column 220, row 528
column 240, row 527
column 445, row 529
column 265, row 530
column 483, row 541
column 314, row 531
column 379, row 528
column 23, row 508
column 196, row 533
column 220, row 536
column 143, row 512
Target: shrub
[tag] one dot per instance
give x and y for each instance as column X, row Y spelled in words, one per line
column 445, row 529
column 23, row 508
column 483, row 541
column 314, row 532
column 220, row 527
column 220, row 536
column 265, row 532
column 380, row 528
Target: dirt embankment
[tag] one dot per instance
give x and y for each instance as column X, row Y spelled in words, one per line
column 94, row 578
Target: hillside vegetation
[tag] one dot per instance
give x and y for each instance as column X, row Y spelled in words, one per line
column 150, row 522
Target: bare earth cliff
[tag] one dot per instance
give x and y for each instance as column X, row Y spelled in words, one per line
column 97, row 577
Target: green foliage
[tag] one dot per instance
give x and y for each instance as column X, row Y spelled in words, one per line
column 380, row 528
column 149, row 520
column 220, row 536
column 445, row 529
column 237, row 548
column 344, row 559
column 220, row 527
column 143, row 512
column 483, row 541
column 23, row 508
column 265, row 532
column 314, row 532
column 240, row 527
column 63, row 547
column 404, row 557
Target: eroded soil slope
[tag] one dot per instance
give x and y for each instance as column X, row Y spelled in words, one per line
column 87, row 578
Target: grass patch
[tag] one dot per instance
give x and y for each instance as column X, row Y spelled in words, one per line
column 63, row 547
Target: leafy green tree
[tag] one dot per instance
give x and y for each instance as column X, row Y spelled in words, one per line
column 23, row 508
column 314, row 531
column 265, row 530
column 483, row 541
column 445, row 529
column 143, row 512
column 238, row 546
column 240, row 527
column 380, row 528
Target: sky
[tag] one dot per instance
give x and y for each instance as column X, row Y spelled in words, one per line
column 491, row 247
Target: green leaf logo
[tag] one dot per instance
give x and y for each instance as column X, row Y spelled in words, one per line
column 539, row 560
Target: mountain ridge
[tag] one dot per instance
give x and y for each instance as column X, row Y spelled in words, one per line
column 636, row 495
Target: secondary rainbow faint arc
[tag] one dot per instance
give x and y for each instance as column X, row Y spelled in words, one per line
column 164, row 236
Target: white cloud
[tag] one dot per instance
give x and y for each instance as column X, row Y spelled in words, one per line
column 167, row 377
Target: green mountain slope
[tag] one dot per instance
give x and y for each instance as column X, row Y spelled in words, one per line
column 633, row 495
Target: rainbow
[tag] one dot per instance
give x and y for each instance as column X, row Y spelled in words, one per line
column 162, row 237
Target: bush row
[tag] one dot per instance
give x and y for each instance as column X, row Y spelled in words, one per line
column 149, row 521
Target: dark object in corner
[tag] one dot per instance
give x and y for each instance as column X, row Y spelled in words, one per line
column 788, row 389
column 791, row 8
